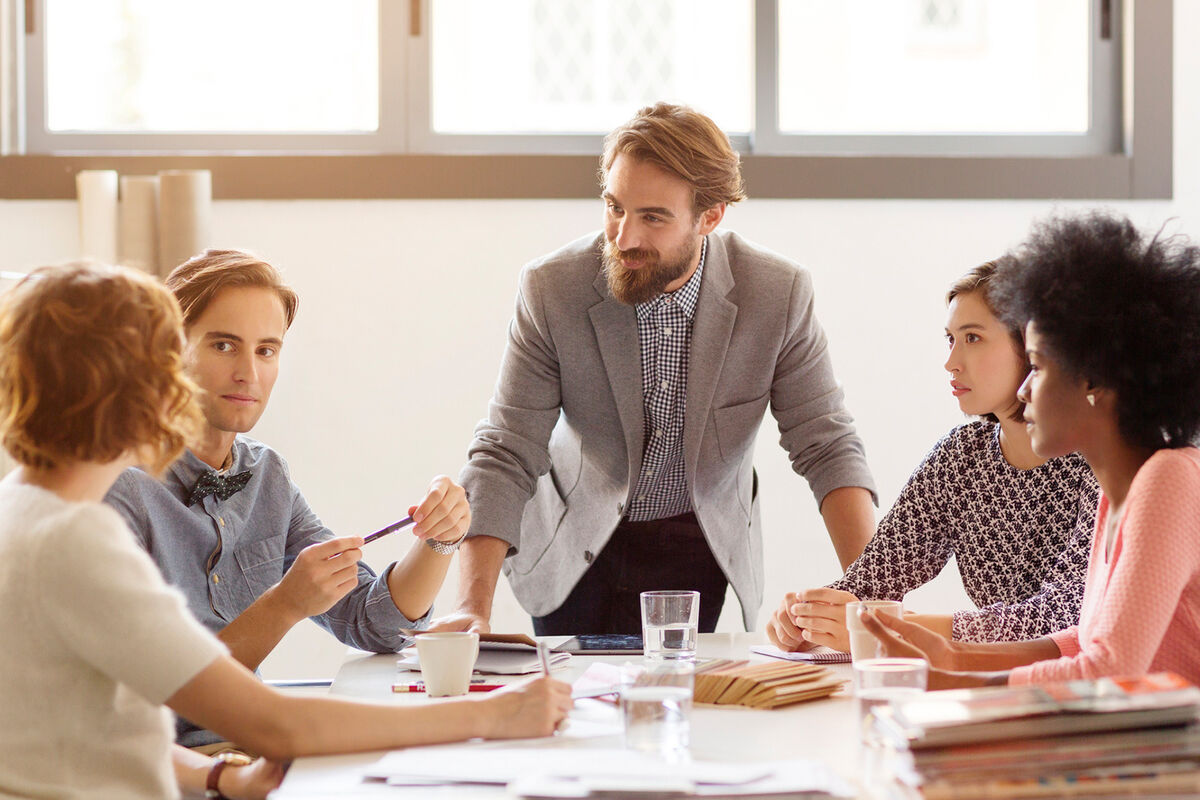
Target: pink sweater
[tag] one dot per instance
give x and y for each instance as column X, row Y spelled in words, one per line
column 1141, row 606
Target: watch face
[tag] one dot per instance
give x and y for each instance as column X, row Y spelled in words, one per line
column 235, row 759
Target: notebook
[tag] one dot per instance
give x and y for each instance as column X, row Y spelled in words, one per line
column 817, row 655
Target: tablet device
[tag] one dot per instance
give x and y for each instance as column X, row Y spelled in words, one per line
column 602, row 644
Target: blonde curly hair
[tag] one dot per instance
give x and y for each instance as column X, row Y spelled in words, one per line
column 91, row 367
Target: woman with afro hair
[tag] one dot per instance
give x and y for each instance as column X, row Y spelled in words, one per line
column 1112, row 325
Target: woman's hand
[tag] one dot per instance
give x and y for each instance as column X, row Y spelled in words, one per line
column 903, row 639
column 821, row 613
column 782, row 630
column 524, row 710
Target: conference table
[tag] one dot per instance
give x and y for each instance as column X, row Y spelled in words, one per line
column 825, row 731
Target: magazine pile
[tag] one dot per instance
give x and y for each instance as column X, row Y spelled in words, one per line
column 1133, row 737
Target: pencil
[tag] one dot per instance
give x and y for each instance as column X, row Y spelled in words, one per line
column 405, row 688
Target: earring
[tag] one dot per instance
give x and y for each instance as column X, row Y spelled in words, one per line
column 1091, row 398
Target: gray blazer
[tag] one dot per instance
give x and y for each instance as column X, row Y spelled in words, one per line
column 551, row 469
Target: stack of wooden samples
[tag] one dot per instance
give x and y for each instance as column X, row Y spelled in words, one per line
column 772, row 685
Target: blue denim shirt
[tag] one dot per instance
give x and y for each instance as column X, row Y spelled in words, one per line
column 255, row 536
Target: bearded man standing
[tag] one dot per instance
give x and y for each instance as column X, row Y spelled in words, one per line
column 617, row 455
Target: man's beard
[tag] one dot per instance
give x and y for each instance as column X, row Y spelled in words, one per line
column 633, row 286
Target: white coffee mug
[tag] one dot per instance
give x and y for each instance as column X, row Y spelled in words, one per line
column 447, row 661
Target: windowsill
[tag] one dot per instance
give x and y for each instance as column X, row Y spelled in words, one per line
column 350, row 176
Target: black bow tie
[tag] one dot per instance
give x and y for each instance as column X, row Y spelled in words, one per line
column 223, row 486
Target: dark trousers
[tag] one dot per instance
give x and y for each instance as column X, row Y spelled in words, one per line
column 640, row 557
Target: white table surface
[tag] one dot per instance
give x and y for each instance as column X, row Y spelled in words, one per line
column 823, row 730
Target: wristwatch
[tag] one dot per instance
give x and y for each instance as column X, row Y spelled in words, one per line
column 445, row 548
column 222, row 760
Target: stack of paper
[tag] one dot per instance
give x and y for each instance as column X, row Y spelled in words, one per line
column 764, row 685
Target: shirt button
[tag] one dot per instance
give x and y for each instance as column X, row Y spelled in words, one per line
column 649, row 473
column 666, row 331
column 658, row 434
column 587, row 556
column 216, row 578
column 641, row 498
column 620, row 508
column 665, row 384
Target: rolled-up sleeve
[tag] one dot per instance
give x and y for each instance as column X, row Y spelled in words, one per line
column 510, row 450
column 815, row 428
column 367, row 617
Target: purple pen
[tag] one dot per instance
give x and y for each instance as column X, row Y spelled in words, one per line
column 395, row 526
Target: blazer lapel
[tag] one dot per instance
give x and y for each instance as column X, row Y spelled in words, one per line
column 711, row 332
column 616, row 332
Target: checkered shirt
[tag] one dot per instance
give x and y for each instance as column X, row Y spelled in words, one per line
column 665, row 336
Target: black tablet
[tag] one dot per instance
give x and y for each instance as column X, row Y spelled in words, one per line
column 602, row 644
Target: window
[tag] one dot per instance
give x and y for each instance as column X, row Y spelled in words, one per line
column 847, row 98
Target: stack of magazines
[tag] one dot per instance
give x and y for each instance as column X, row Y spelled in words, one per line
column 1132, row 737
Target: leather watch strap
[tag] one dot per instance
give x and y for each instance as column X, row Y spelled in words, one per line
column 212, row 789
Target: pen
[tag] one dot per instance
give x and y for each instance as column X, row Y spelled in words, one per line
column 395, row 526
column 544, row 657
column 404, row 688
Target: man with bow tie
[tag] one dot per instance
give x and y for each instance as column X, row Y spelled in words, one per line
column 229, row 527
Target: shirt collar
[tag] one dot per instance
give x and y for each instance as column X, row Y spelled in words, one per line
column 686, row 296
column 188, row 467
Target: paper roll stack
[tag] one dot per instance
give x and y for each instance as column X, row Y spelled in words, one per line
column 96, row 192
column 138, row 223
column 184, row 216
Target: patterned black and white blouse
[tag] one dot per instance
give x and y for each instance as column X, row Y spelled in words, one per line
column 1021, row 537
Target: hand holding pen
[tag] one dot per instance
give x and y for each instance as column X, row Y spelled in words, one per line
column 443, row 514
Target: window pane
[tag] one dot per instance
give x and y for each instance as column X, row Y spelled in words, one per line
column 220, row 65
column 933, row 66
column 584, row 66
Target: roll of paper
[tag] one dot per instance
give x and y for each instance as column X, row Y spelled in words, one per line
column 184, row 216
column 96, row 191
column 138, row 223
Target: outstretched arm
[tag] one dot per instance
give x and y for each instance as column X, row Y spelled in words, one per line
column 849, row 516
column 228, row 699
column 443, row 515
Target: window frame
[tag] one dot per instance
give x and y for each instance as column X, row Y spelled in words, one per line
column 1141, row 168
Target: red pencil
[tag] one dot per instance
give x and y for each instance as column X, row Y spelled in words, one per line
column 401, row 688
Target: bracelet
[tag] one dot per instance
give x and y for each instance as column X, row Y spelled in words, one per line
column 212, row 789
column 445, row 548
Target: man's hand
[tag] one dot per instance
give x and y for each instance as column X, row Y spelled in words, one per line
column 444, row 513
column 782, row 629
column 322, row 574
column 461, row 621
column 822, row 615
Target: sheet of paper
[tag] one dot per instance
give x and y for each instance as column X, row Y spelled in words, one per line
column 505, row 764
column 795, row 778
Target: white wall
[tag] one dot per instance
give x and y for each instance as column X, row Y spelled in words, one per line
column 405, row 304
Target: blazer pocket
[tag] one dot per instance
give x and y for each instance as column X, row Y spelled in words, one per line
column 737, row 426
column 544, row 515
column 261, row 563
